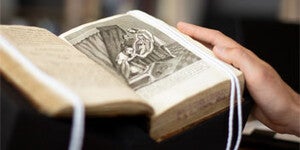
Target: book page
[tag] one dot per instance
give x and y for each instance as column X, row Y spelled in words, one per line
column 100, row 91
column 142, row 51
column 156, row 66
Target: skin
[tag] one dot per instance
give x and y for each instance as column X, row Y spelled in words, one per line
column 276, row 104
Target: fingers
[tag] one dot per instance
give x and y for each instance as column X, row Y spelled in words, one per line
column 238, row 57
column 227, row 50
column 257, row 72
column 206, row 35
column 224, row 47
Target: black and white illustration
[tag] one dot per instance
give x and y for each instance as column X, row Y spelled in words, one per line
column 136, row 53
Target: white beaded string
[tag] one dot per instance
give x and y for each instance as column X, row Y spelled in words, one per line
column 235, row 86
column 77, row 129
column 234, row 91
column 240, row 115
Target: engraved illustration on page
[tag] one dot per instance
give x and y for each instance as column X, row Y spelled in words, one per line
column 141, row 57
column 134, row 52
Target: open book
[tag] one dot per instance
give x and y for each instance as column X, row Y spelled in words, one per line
column 128, row 64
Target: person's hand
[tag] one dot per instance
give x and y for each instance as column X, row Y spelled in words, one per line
column 277, row 105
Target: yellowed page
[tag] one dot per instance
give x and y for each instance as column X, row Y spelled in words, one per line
column 159, row 65
column 101, row 92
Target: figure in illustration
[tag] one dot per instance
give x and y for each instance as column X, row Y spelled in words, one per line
column 141, row 57
column 144, row 43
column 123, row 59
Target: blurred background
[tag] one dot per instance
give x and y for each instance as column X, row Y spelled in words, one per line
column 270, row 28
